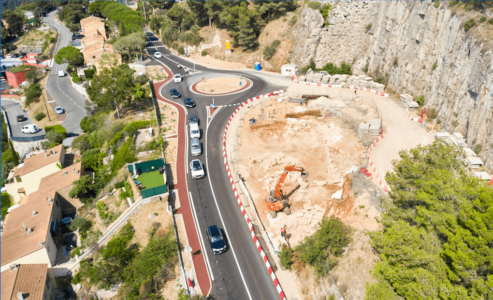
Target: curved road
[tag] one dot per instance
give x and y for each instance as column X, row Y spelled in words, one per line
column 13, row 109
column 60, row 88
column 240, row 273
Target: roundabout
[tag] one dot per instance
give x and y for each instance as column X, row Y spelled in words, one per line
column 218, row 86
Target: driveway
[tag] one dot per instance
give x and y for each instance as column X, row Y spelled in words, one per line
column 60, row 88
column 14, row 108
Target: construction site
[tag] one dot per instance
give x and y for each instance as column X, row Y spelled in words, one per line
column 301, row 158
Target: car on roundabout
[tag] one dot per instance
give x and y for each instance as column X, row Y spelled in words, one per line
column 189, row 102
column 197, row 169
column 174, row 93
column 178, row 78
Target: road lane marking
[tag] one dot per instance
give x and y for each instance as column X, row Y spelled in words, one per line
column 201, row 238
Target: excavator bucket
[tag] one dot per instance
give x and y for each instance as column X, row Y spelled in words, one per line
column 304, row 175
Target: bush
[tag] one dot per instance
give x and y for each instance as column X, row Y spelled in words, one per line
column 421, row 100
column 380, row 80
column 314, row 5
column 54, row 137
column 39, row 116
column 70, row 69
column 204, row 53
column 452, row 3
column 6, row 203
column 286, row 257
column 76, row 79
column 82, row 143
column 434, row 66
column 143, row 79
column 490, row 21
column 469, row 24
column 75, row 252
column 80, row 223
column 482, row 20
column 432, row 113
column 89, row 73
column 436, row 3
column 269, row 51
column 77, row 278
column 478, row 148
column 368, row 26
column 293, row 21
column 181, row 51
column 83, row 124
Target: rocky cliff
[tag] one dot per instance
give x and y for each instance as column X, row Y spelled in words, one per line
column 418, row 49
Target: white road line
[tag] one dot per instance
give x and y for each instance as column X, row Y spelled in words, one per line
column 201, row 238
column 222, row 221
column 186, row 147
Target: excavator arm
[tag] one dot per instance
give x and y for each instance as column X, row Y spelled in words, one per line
column 277, row 191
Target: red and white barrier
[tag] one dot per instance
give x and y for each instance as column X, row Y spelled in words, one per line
column 249, row 223
column 295, row 79
column 380, row 180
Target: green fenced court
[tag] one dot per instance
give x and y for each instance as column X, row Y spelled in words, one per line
column 151, row 179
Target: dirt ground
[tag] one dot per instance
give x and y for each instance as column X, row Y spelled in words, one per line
column 169, row 116
column 322, row 141
column 221, row 85
column 156, row 73
column 144, row 224
column 35, row 39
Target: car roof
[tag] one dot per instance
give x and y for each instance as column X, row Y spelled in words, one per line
column 213, row 230
column 173, row 90
column 193, row 117
column 195, row 140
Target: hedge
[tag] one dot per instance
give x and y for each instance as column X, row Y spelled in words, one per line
column 58, row 128
column 6, row 203
column 130, row 130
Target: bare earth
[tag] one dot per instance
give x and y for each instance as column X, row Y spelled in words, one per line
column 220, row 85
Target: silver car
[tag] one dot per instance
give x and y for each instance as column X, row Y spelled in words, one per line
column 195, row 147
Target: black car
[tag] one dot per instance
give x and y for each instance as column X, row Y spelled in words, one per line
column 174, row 93
column 15, row 55
column 189, row 102
column 20, row 118
column 216, row 239
column 22, row 55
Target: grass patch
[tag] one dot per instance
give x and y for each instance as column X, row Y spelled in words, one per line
column 151, row 179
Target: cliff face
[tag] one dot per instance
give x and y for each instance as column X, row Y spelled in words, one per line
column 419, row 49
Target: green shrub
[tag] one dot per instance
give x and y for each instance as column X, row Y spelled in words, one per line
column 293, row 20
column 83, row 124
column 75, row 252
column 453, row 3
column 6, row 203
column 314, row 5
column 324, row 10
column 103, row 210
column 478, row 148
column 119, row 184
column 380, row 80
column 80, row 223
column 70, row 69
column 269, row 51
column 421, row 100
column 490, row 21
column 58, row 128
column 286, row 257
column 75, row 79
column 39, row 116
column 434, row 66
column 181, row 51
column 89, row 73
column 368, row 26
column 77, row 278
column 482, row 20
column 204, row 53
column 469, row 24
column 436, row 3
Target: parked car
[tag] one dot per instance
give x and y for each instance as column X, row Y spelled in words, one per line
column 30, row 128
column 189, row 102
column 61, row 73
column 9, row 55
column 178, row 78
column 174, row 93
column 15, row 55
column 193, row 120
column 59, row 110
column 194, row 131
column 20, row 118
column 216, row 239
column 197, row 169
column 195, row 147
column 22, row 55
column 158, row 55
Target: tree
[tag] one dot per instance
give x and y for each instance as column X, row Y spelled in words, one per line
column 131, row 43
column 15, row 158
column 80, row 223
column 69, row 54
column 54, row 137
column 242, row 24
column 90, row 159
column 139, row 93
column 15, row 20
column 82, row 143
column 214, row 8
column 111, row 88
column 85, row 188
column 32, row 75
column 33, row 91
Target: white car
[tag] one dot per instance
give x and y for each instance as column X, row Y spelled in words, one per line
column 157, row 55
column 194, row 131
column 178, row 66
column 177, row 78
column 59, row 110
column 30, row 128
column 197, row 169
column 61, row 73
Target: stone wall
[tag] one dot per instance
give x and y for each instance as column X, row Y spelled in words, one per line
column 419, row 49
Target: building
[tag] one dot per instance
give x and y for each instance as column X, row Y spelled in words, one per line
column 28, row 282
column 26, row 177
column 28, row 14
column 30, row 230
column 16, row 78
column 93, row 44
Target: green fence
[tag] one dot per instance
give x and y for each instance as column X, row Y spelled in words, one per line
column 146, row 166
column 154, row 191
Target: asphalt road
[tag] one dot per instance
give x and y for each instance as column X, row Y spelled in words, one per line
column 13, row 109
column 240, row 273
column 60, row 88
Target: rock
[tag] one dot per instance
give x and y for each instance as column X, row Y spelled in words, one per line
column 76, row 287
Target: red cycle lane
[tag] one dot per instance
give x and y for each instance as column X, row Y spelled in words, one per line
column 185, row 209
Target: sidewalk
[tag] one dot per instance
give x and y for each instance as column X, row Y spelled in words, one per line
column 180, row 185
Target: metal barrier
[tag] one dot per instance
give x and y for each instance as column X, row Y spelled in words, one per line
column 162, row 189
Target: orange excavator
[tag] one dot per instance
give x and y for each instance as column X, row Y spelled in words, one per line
column 276, row 201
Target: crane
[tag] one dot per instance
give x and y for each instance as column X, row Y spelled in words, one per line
column 276, row 201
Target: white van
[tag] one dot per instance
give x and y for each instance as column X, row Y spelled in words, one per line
column 30, row 128
column 194, row 131
column 289, row 70
column 61, row 73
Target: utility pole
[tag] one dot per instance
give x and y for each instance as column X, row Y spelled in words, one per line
column 46, row 106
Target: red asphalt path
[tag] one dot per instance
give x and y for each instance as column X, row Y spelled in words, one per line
column 185, row 209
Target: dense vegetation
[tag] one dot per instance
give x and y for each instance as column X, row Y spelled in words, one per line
column 143, row 271
column 437, row 241
column 331, row 68
column 318, row 250
column 6, row 203
column 120, row 17
column 72, row 12
column 9, row 156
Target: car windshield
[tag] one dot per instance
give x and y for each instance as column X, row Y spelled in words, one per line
column 195, row 131
column 195, row 146
column 177, row 76
column 174, row 91
column 196, row 166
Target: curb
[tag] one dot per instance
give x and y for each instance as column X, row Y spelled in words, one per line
column 374, row 168
column 340, row 86
column 247, row 219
